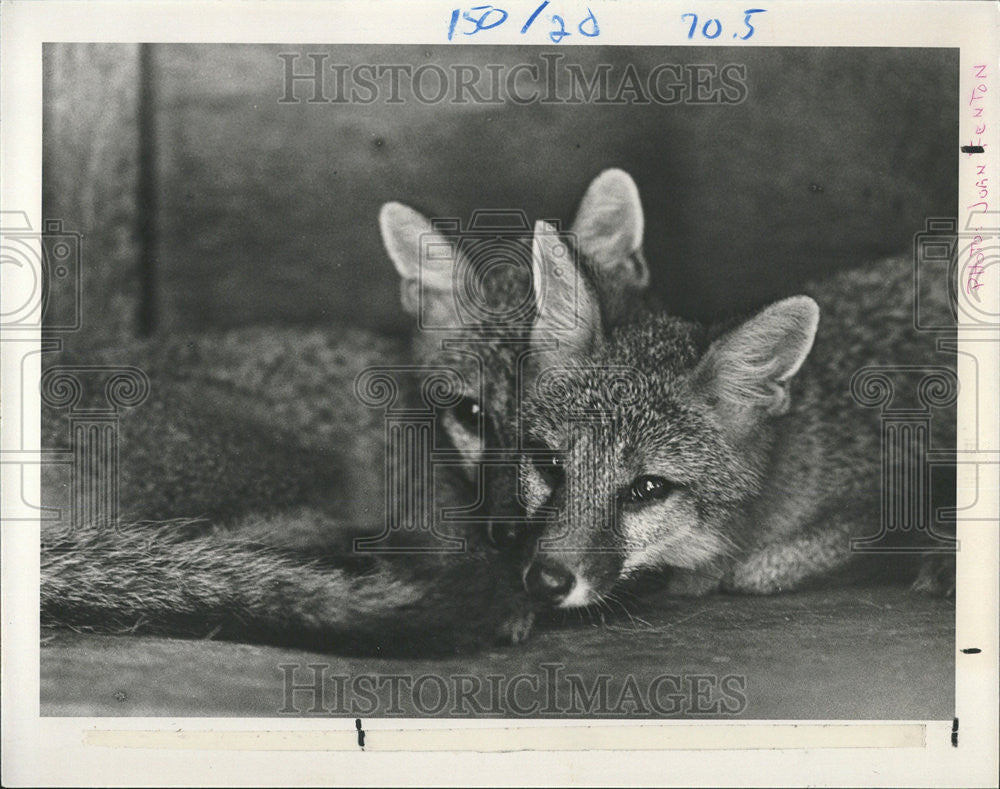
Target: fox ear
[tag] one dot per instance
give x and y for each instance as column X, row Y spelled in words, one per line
column 567, row 309
column 750, row 367
column 424, row 259
column 608, row 230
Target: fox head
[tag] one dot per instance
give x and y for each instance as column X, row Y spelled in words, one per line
column 649, row 440
column 477, row 306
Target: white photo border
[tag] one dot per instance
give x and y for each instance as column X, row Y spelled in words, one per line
column 136, row 751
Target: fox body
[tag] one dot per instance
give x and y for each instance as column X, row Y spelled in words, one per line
column 258, row 461
column 260, row 458
column 624, row 438
column 734, row 455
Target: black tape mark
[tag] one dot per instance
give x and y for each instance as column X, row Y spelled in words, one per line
column 973, row 149
column 361, row 732
column 954, row 733
column 972, row 651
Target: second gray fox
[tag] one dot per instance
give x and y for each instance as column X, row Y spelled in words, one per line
column 254, row 465
column 734, row 455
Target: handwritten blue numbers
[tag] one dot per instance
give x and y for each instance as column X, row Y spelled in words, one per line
column 558, row 35
column 474, row 20
column 557, row 26
column 533, row 17
column 590, row 23
column 746, row 21
column 488, row 18
column 712, row 28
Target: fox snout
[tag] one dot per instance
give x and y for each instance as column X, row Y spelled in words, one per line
column 577, row 554
column 554, row 582
column 549, row 582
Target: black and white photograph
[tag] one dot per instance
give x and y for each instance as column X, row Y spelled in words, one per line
column 520, row 378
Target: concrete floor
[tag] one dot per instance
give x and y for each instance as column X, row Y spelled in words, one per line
column 856, row 653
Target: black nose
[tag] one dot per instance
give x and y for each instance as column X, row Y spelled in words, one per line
column 547, row 582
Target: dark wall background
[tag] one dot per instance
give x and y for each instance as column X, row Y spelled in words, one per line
column 268, row 211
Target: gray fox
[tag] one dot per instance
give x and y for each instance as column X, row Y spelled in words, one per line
column 256, row 463
column 731, row 456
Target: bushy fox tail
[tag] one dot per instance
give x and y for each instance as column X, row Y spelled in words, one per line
column 160, row 580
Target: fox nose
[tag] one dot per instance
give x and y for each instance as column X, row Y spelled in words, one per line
column 548, row 583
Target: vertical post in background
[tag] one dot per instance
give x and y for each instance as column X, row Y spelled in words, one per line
column 146, row 206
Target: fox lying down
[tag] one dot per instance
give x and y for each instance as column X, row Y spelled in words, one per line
column 258, row 462
column 732, row 456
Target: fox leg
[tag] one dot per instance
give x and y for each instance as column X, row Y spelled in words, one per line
column 936, row 575
column 693, row 583
column 824, row 549
column 785, row 565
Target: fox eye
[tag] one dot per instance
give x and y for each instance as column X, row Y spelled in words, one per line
column 648, row 488
column 545, row 460
column 467, row 412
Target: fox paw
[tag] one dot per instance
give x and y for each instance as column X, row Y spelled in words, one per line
column 936, row 576
column 517, row 628
column 689, row 583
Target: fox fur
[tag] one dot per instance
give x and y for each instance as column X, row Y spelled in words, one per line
column 762, row 465
column 253, row 467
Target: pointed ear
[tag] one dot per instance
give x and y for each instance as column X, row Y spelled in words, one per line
column 425, row 261
column 567, row 309
column 608, row 230
column 748, row 370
